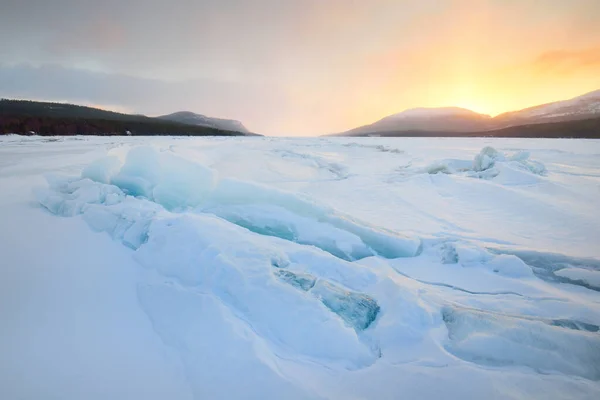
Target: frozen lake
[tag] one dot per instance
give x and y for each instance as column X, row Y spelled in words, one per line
column 323, row 268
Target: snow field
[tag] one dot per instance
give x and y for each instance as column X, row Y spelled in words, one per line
column 296, row 294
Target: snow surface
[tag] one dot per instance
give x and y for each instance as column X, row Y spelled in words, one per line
column 234, row 268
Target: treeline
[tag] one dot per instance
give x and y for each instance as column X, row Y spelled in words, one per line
column 47, row 119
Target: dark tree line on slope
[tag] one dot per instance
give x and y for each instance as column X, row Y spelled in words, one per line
column 40, row 118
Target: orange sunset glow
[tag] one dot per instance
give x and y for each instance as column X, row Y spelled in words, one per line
column 305, row 67
column 490, row 57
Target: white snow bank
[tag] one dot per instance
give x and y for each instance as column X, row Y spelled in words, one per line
column 216, row 346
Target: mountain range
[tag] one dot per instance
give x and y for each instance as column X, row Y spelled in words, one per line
column 576, row 117
column 455, row 121
column 44, row 118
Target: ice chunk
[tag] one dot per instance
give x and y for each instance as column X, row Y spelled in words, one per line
column 299, row 280
column 577, row 325
column 520, row 156
column 521, row 159
column 468, row 253
column 279, row 222
column 140, row 173
column 495, row 339
column 589, row 277
column 165, row 178
column 438, row 167
column 472, row 256
column 102, row 220
column 489, row 163
column 388, row 244
column 486, row 159
column 104, row 207
column 136, row 234
column 69, row 198
column 510, row 266
column 548, row 266
column 102, row 170
column 449, row 166
column 356, row 309
column 183, row 183
column 448, row 254
column 208, row 254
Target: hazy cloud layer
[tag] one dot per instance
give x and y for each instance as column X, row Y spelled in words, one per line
column 253, row 103
column 299, row 66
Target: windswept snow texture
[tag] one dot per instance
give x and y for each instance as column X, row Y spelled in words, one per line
column 236, row 268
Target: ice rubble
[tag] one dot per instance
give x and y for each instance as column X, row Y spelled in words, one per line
column 206, row 253
column 202, row 251
column 291, row 285
column 213, row 256
column 490, row 163
column 179, row 184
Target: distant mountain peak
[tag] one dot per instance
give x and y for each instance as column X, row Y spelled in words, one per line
column 453, row 119
column 184, row 114
column 434, row 112
column 191, row 118
column 444, row 120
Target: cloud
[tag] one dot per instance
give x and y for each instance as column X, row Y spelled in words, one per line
column 565, row 62
column 296, row 66
column 253, row 104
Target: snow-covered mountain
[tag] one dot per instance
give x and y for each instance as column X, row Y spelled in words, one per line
column 581, row 107
column 190, row 118
column 447, row 119
column 454, row 119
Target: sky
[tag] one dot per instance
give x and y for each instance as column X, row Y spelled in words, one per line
column 299, row 67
